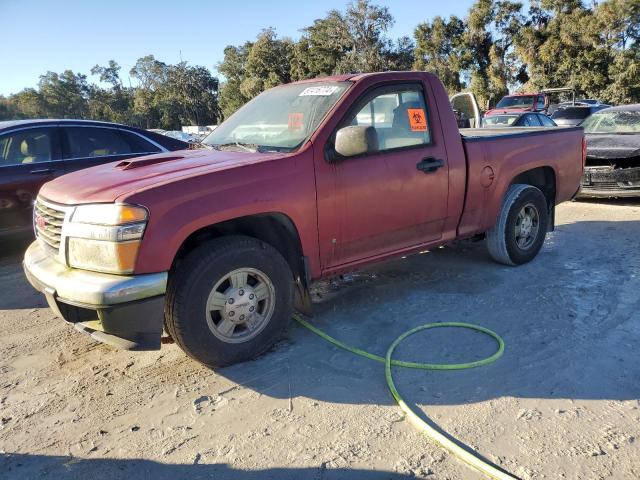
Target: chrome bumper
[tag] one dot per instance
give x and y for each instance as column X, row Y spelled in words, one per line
column 84, row 288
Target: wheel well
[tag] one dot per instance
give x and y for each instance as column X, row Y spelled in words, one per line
column 276, row 229
column 543, row 178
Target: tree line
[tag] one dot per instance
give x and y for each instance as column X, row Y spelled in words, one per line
column 497, row 47
column 166, row 96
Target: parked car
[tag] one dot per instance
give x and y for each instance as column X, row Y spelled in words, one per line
column 520, row 102
column 572, row 115
column 33, row 152
column 219, row 245
column 182, row 136
column 613, row 153
column 156, row 130
column 591, row 101
column 518, row 120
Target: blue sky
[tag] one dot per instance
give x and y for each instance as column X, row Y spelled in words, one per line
column 41, row 35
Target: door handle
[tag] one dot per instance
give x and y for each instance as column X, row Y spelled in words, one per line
column 429, row 165
column 41, row 171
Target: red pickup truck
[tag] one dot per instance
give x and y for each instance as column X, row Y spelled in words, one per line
column 310, row 179
column 520, row 102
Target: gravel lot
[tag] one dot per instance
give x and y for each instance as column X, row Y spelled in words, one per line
column 563, row 402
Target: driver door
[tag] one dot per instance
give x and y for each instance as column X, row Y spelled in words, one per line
column 391, row 198
column 29, row 157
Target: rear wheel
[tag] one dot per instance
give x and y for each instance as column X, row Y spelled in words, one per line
column 229, row 300
column 522, row 224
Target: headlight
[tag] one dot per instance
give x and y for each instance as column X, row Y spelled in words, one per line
column 105, row 237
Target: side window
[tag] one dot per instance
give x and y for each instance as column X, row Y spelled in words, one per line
column 398, row 115
column 531, row 121
column 31, row 145
column 137, row 144
column 540, row 105
column 86, row 142
column 546, row 121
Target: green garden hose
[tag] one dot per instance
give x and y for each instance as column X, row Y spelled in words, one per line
column 464, row 454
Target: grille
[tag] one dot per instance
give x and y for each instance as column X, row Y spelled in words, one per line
column 601, row 186
column 48, row 221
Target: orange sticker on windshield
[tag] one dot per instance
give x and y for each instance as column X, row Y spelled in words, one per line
column 417, row 119
column 296, row 121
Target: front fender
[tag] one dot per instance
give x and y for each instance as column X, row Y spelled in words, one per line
column 178, row 209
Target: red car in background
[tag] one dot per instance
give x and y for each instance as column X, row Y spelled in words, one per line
column 520, row 102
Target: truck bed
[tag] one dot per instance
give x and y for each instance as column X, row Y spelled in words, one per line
column 471, row 134
column 495, row 156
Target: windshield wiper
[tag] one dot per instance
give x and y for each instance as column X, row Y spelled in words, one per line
column 252, row 147
column 271, row 149
column 198, row 145
column 247, row 147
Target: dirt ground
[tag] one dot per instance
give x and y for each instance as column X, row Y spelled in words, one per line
column 563, row 401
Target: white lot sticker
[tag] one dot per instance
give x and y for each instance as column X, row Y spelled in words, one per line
column 318, row 91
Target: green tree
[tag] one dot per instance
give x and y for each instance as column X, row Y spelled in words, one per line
column 150, row 74
column 233, row 67
column 353, row 41
column 439, row 49
column 268, row 64
column 505, row 69
column 64, row 95
column 617, row 49
column 491, row 30
column 366, row 25
column 109, row 74
column 400, row 55
column 114, row 104
column 189, row 96
column 322, row 47
column 593, row 50
column 9, row 109
column 28, row 103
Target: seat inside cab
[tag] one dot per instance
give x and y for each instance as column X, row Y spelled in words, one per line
column 36, row 148
column 395, row 117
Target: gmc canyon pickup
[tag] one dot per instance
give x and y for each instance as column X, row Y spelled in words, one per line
column 218, row 246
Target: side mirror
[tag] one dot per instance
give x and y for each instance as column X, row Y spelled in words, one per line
column 356, row 140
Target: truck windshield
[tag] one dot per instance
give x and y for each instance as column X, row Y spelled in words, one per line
column 613, row 122
column 516, row 102
column 280, row 119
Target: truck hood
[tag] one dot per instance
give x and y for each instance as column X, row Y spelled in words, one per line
column 106, row 183
column 612, row 146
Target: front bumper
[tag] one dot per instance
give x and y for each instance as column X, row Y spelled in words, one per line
column 126, row 311
column 609, row 182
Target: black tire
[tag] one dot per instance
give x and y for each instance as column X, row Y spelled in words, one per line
column 192, row 281
column 501, row 239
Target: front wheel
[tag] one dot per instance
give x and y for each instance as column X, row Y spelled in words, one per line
column 229, row 300
column 522, row 224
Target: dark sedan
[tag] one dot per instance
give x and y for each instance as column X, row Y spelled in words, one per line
column 613, row 153
column 572, row 115
column 525, row 119
column 32, row 152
